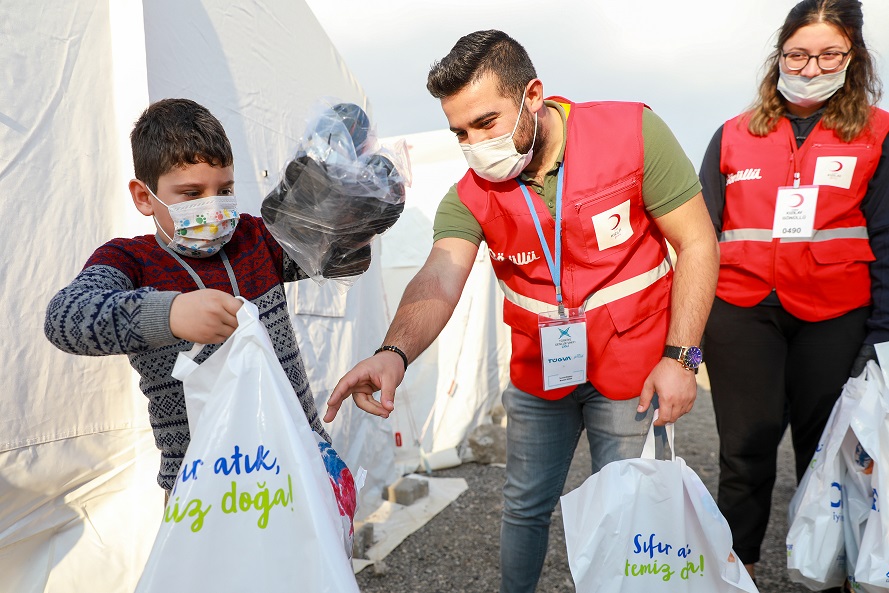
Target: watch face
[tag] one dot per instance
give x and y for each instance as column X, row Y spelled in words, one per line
column 693, row 357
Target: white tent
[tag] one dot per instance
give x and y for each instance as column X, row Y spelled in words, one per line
column 451, row 388
column 78, row 502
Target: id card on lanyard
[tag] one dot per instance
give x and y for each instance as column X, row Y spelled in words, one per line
column 563, row 342
column 795, row 207
column 563, row 347
column 795, row 211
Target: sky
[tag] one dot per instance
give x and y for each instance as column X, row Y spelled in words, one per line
column 696, row 63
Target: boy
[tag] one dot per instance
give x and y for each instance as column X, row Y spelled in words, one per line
column 153, row 296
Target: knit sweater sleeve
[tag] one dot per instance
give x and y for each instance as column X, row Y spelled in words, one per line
column 103, row 312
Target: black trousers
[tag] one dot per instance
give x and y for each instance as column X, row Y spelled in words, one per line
column 768, row 368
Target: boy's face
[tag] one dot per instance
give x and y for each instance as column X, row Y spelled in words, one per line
column 183, row 184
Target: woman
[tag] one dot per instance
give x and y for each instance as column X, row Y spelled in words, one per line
column 798, row 189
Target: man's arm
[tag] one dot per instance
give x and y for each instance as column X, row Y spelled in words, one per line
column 689, row 230
column 426, row 306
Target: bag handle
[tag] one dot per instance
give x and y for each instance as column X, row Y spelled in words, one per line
column 649, row 450
column 185, row 364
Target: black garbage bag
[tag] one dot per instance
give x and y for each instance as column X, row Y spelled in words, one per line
column 338, row 192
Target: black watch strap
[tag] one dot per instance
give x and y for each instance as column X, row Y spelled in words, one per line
column 689, row 357
column 674, row 352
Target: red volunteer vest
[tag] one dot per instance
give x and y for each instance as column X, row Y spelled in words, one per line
column 816, row 278
column 614, row 260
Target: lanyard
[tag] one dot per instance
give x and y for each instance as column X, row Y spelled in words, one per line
column 194, row 275
column 793, row 159
column 555, row 267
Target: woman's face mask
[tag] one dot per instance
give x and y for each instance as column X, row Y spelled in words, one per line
column 808, row 92
column 498, row 159
column 811, row 68
column 201, row 227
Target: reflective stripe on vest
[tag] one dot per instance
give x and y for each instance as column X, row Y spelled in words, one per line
column 609, row 294
column 765, row 235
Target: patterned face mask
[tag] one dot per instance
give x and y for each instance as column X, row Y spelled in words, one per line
column 201, row 227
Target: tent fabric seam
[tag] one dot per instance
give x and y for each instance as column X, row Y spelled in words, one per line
column 15, row 445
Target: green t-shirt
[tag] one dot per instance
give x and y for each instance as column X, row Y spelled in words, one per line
column 669, row 180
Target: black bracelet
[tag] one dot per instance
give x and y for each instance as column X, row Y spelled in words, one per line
column 396, row 350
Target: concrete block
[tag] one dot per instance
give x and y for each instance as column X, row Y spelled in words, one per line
column 488, row 442
column 362, row 540
column 498, row 414
column 406, row 491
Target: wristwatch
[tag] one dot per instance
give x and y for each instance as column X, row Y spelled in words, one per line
column 690, row 357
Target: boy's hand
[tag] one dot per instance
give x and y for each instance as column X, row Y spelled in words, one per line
column 205, row 316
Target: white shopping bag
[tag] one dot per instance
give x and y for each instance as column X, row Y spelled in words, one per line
column 858, row 472
column 253, row 508
column 870, row 422
column 816, row 552
column 857, row 497
column 645, row 525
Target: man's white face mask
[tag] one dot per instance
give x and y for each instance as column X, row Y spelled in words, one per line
column 498, row 159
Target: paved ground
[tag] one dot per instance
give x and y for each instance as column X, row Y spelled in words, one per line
column 458, row 550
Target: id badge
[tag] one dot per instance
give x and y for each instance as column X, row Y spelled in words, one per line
column 795, row 212
column 563, row 348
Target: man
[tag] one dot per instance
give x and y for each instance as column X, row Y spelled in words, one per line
column 600, row 321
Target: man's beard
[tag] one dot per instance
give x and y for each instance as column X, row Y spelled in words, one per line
column 524, row 135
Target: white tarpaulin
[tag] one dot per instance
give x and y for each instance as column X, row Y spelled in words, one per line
column 450, row 388
column 79, row 505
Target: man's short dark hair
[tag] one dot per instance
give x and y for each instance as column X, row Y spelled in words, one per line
column 477, row 54
column 173, row 133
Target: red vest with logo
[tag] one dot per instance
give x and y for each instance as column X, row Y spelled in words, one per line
column 816, row 278
column 615, row 262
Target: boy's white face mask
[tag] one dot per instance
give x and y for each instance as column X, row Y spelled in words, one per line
column 497, row 159
column 201, row 227
column 808, row 92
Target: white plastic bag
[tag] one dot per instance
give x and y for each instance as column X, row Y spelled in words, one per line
column 857, row 497
column 644, row 525
column 870, row 422
column 341, row 189
column 816, row 552
column 252, row 508
column 858, row 472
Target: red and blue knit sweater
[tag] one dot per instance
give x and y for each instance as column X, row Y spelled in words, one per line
column 120, row 304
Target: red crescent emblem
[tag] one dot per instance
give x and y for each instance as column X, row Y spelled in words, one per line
column 617, row 222
column 839, row 166
column 798, row 204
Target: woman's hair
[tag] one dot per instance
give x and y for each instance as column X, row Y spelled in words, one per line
column 848, row 110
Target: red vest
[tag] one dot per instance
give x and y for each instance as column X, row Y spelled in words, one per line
column 816, row 278
column 614, row 260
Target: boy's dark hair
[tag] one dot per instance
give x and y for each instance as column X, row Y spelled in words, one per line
column 173, row 133
column 477, row 54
